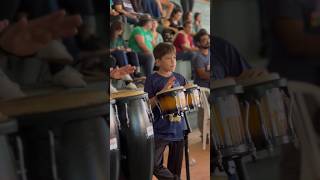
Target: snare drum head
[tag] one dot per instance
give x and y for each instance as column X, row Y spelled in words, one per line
column 126, row 94
column 179, row 88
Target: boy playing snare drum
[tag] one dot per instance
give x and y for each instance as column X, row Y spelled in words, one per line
column 167, row 132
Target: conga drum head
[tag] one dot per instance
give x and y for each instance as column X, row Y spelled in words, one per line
column 125, row 95
column 172, row 101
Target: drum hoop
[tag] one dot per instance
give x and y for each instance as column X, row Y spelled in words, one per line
column 259, row 90
column 225, row 91
column 132, row 97
column 190, row 89
column 260, row 80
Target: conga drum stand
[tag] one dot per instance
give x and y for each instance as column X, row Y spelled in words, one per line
column 186, row 146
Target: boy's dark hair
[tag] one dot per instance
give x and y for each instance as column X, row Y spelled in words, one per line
column 187, row 23
column 162, row 49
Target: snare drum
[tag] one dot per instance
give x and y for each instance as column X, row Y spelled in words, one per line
column 114, row 142
column 192, row 97
column 228, row 132
column 136, row 134
column 268, row 117
column 172, row 101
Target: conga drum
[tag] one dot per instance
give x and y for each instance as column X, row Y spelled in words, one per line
column 192, row 97
column 228, row 132
column 172, row 101
column 72, row 130
column 115, row 155
column 8, row 166
column 136, row 134
column 269, row 124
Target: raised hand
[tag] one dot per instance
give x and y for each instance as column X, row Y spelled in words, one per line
column 28, row 37
column 170, row 83
column 119, row 73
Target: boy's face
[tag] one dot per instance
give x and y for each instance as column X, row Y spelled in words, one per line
column 167, row 63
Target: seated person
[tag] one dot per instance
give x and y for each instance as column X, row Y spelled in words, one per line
column 114, row 15
column 184, row 43
column 175, row 19
column 167, row 32
column 141, row 42
column 201, row 62
column 125, row 8
column 151, row 7
column 187, row 16
column 157, row 37
column 166, row 7
column 197, row 22
column 118, row 48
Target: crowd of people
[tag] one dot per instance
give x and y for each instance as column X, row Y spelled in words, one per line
column 153, row 22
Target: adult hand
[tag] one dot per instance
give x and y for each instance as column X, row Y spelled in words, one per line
column 27, row 37
column 119, row 73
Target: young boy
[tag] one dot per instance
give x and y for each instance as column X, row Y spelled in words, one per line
column 167, row 132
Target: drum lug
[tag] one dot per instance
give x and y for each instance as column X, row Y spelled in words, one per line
column 22, row 169
column 117, row 117
column 149, row 110
column 127, row 116
column 263, row 124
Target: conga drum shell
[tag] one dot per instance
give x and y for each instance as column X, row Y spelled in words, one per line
column 172, row 100
column 115, row 156
column 136, row 134
column 227, row 124
column 8, row 167
column 268, row 123
column 192, row 96
column 70, row 105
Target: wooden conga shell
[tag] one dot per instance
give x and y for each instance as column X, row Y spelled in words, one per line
column 192, row 96
column 172, row 100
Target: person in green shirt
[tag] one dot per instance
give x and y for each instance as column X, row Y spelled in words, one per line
column 141, row 42
column 118, row 49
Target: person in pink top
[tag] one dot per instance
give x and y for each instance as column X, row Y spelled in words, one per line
column 183, row 42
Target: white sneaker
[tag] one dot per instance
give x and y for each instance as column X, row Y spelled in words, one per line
column 69, row 77
column 55, row 51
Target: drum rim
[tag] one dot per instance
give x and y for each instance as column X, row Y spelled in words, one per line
column 139, row 93
column 260, row 80
column 191, row 86
column 171, row 90
column 223, row 83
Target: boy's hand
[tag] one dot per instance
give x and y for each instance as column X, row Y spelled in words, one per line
column 170, row 83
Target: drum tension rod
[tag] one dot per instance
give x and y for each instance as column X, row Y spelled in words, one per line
column 53, row 156
column 22, row 171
